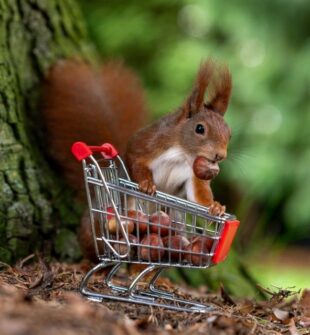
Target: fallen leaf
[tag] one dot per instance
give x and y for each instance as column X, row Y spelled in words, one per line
column 168, row 327
column 245, row 307
column 212, row 318
column 283, row 316
column 292, row 329
column 305, row 322
column 304, row 303
column 224, row 322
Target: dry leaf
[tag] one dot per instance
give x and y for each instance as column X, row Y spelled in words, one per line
column 304, row 303
column 212, row 318
column 225, row 322
column 292, row 329
column 54, row 307
column 245, row 307
column 283, row 316
column 305, row 322
column 168, row 327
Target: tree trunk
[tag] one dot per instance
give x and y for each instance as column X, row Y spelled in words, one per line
column 33, row 201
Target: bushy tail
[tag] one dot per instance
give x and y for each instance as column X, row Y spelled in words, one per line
column 94, row 106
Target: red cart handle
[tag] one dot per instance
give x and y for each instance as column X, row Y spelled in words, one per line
column 81, row 150
column 228, row 235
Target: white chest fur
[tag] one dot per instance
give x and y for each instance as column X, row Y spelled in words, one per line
column 172, row 170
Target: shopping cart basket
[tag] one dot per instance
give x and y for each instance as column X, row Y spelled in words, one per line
column 157, row 232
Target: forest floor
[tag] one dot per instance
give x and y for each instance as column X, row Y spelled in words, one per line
column 41, row 298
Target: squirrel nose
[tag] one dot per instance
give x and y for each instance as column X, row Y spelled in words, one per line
column 220, row 156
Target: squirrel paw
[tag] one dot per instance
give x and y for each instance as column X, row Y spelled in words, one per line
column 217, row 209
column 147, row 186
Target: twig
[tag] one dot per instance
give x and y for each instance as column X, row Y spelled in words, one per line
column 24, row 260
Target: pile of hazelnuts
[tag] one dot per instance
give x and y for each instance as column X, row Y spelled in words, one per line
column 157, row 240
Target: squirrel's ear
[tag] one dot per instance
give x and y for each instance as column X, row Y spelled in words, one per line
column 195, row 101
column 221, row 91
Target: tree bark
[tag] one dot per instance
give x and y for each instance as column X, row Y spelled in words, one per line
column 34, row 34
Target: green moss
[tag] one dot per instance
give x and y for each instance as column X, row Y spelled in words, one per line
column 20, row 220
column 5, row 255
column 19, row 248
column 6, row 195
column 67, row 246
column 34, row 34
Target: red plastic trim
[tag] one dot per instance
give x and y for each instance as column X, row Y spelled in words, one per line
column 80, row 150
column 111, row 211
column 107, row 150
column 228, row 235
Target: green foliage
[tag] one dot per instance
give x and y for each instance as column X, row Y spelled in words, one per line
column 232, row 274
column 266, row 45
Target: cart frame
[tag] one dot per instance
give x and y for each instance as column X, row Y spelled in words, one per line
column 110, row 197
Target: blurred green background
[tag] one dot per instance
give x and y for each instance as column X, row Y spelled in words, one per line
column 266, row 178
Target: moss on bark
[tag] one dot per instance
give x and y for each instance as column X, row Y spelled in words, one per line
column 36, row 210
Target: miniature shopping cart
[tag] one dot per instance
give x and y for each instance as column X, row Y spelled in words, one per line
column 155, row 232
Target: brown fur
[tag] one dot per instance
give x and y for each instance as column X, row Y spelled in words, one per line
column 196, row 98
column 221, row 92
column 83, row 104
column 203, row 192
column 179, row 129
column 80, row 103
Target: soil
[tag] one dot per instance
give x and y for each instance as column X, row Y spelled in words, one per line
column 37, row 297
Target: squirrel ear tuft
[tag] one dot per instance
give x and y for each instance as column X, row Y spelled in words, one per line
column 195, row 101
column 221, row 91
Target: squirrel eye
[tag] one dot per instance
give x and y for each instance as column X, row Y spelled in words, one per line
column 200, row 129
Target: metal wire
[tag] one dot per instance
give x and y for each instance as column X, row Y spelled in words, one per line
column 157, row 231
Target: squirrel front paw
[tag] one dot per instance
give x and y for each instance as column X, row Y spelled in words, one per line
column 147, row 186
column 217, row 209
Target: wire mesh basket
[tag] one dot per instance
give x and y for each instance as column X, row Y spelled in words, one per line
column 157, row 231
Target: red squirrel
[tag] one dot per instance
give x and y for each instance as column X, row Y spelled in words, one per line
column 178, row 154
